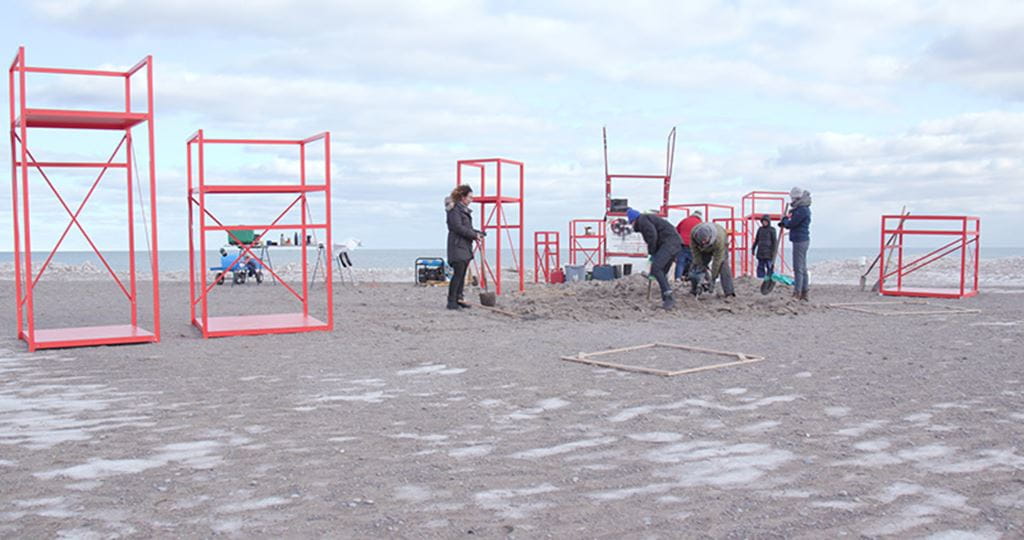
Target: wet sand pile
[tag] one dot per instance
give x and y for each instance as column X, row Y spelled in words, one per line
column 626, row 298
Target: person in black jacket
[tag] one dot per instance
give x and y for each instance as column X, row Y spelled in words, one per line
column 663, row 244
column 461, row 236
column 766, row 245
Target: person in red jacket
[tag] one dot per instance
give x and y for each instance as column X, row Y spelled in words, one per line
column 685, row 256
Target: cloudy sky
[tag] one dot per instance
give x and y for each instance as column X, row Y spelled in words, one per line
column 870, row 105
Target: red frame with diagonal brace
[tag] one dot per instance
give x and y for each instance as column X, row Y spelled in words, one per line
column 200, row 288
column 493, row 200
column 585, row 247
column 24, row 119
column 964, row 234
column 547, row 254
column 751, row 212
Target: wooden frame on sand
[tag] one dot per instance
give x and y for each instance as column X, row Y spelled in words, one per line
column 587, row 358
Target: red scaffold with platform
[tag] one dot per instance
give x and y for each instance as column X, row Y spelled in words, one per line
column 501, row 203
column 202, row 221
column 29, row 120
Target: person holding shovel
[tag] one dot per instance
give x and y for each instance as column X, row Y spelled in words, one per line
column 663, row 245
column 461, row 236
column 799, row 224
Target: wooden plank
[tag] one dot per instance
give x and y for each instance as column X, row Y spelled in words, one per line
column 621, row 350
column 887, row 303
column 933, row 312
column 716, row 366
column 699, row 349
column 612, row 365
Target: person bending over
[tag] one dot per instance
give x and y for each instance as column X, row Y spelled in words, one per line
column 663, row 244
column 710, row 245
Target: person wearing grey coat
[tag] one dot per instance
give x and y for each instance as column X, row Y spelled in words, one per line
column 461, row 236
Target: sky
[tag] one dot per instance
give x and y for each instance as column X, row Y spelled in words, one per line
column 871, row 106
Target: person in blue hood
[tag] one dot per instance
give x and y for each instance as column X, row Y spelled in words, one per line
column 798, row 221
column 663, row 245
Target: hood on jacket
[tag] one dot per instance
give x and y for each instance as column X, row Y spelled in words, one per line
column 448, row 203
column 804, row 200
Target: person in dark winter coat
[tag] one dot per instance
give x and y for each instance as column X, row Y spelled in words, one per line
column 710, row 245
column 799, row 224
column 461, row 236
column 766, row 244
column 663, row 244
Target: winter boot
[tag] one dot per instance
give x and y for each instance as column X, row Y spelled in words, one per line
column 668, row 303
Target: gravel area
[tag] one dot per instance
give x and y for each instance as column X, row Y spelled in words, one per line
column 412, row 421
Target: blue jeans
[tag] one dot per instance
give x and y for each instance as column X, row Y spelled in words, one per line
column 765, row 268
column 800, row 280
column 683, row 261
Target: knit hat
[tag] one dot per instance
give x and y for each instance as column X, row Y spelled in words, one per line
column 703, row 235
column 632, row 214
column 795, row 193
column 697, row 213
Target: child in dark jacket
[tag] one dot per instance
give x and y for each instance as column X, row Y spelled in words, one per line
column 766, row 244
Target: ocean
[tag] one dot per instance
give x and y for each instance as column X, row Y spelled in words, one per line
column 395, row 259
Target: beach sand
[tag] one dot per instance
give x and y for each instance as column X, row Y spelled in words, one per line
column 411, row 421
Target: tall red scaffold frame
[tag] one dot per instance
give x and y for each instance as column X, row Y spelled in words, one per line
column 22, row 160
column 751, row 217
column 966, row 239
column 666, row 180
column 198, row 190
column 493, row 217
column 578, row 250
column 547, row 254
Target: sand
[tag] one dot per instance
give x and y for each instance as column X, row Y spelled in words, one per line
column 410, row 421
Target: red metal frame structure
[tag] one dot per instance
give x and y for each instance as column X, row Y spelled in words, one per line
column 965, row 232
column 22, row 160
column 666, row 179
column 198, row 190
column 493, row 217
column 751, row 216
column 578, row 250
column 547, row 254
column 735, row 243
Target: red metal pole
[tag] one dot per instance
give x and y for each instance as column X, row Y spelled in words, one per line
column 500, row 217
column 191, row 237
column 133, row 299
column 963, row 255
column 977, row 251
column 204, row 309
column 330, row 244
column 14, row 203
column 899, row 262
column 154, row 255
column 29, row 312
column 881, row 259
column 522, row 226
column 304, row 209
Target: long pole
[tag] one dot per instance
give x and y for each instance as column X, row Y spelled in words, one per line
column 154, row 255
column 29, row 312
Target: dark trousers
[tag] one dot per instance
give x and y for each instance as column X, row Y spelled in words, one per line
column 458, row 281
column 765, row 267
column 683, row 261
column 660, row 263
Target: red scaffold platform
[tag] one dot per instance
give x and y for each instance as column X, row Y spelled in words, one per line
column 202, row 221
column 587, row 241
column 547, row 255
column 24, row 120
column 498, row 204
column 963, row 245
column 753, row 205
